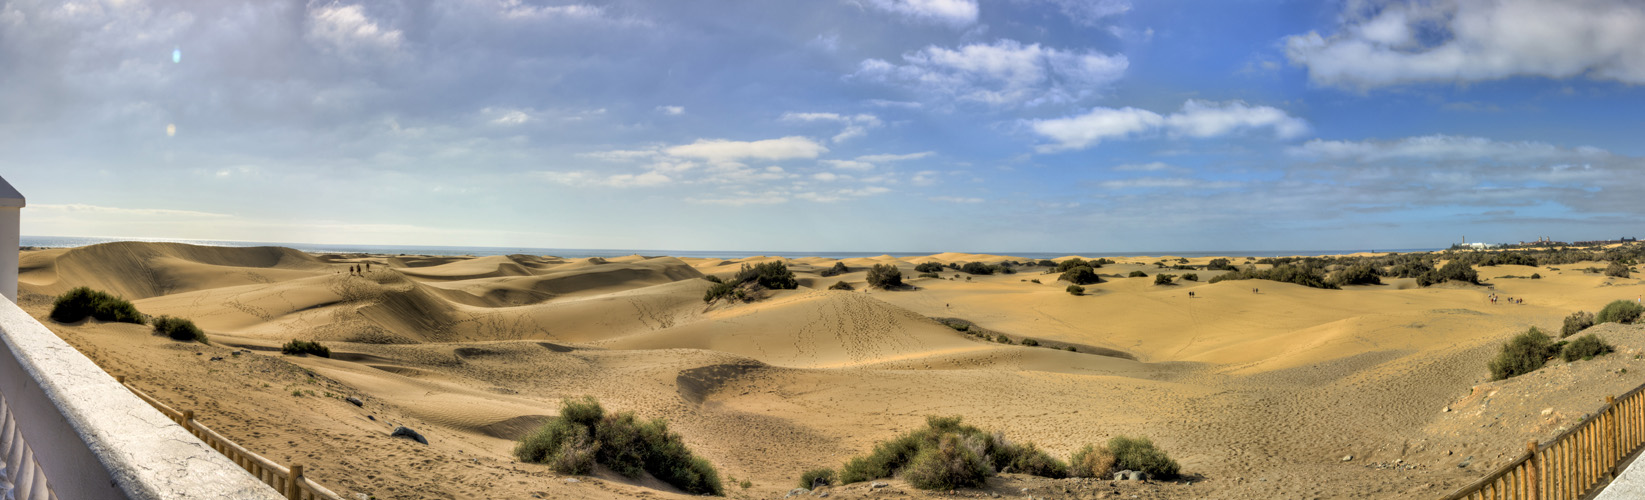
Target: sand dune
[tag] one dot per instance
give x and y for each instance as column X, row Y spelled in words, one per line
column 1258, row 394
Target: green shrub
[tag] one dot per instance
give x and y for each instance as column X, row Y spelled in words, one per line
column 1536, row 276
column 838, row 269
column 178, row 329
column 1586, row 347
column 712, row 278
column 584, row 435
column 1523, row 354
column 977, row 268
column 773, row 275
column 81, row 302
column 885, row 276
column 1074, row 262
column 1140, row 454
column 1034, row 281
column 948, row 465
column 1219, row 265
column 841, row 286
column 1576, row 322
column 1190, row 277
column 1163, row 279
column 1298, row 273
column 1621, row 311
column 295, row 347
column 1081, row 275
column 1138, row 274
column 1455, row 270
column 1360, row 274
column 718, row 290
column 930, row 275
column 1617, row 269
column 1091, row 461
column 929, row 267
column 1076, row 290
column 813, row 478
column 1030, row 342
column 1029, row 459
column 1045, row 263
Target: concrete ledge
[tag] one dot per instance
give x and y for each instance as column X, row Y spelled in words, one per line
column 93, row 438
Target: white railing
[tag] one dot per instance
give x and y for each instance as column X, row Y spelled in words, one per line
column 68, row 430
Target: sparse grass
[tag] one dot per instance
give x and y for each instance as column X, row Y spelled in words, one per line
column 83, row 302
column 584, row 435
column 1523, row 354
column 1140, row 454
column 948, row 454
column 1586, row 347
column 1621, row 311
column 178, row 329
column 295, row 347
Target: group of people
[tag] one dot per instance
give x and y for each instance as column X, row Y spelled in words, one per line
column 1509, row 300
column 359, row 270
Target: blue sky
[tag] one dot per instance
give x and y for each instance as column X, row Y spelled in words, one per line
column 839, row 125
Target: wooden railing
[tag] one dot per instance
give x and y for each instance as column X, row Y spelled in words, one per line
column 288, row 481
column 1573, row 464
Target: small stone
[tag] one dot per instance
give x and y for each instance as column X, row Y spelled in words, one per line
column 572, row 480
column 216, row 358
column 877, row 484
column 1546, row 411
column 354, row 401
column 406, row 432
column 797, row 492
column 1347, row 458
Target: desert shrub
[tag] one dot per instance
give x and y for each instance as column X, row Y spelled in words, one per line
column 1091, row 461
column 930, row 275
column 838, row 269
column 180, row 329
column 1523, row 354
column 1190, row 276
column 1140, row 454
column 841, row 286
column 1359, row 274
column 1289, row 272
column 774, row 275
column 1076, row 290
column 584, row 434
column 1030, row 342
column 1003, row 339
column 948, row 465
column 295, row 347
column 1621, row 311
column 1219, row 265
column 1576, row 322
column 1081, row 275
column 929, row 267
column 977, row 268
column 1074, row 262
column 1045, row 263
column 1617, row 269
column 81, row 302
column 1455, row 270
column 1164, row 279
column 1586, row 347
column 712, row 278
column 1138, row 274
column 1536, row 276
column 817, row 477
column 1035, row 281
column 718, row 290
column 885, row 276
column 1026, row 458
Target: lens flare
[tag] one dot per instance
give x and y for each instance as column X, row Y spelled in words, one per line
column 177, row 55
column 171, row 130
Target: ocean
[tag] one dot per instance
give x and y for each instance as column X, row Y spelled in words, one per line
column 577, row 253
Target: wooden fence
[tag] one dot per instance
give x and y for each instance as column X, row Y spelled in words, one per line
column 288, row 481
column 1573, row 464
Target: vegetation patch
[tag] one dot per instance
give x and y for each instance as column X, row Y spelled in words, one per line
column 1307, row 274
column 1617, row 269
column 885, row 276
column 295, row 347
column 929, row 267
column 814, row 478
column 1164, row 279
column 773, row 275
column 1091, row 461
column 83, row 302
column 838, row 269
column 1080, row 275
column 178, row 329
column 1140, row 454
column 1138, row 274
column 1586, row 347
column 1576, row 322
column 1076, row 290
column 948, row 454
column 1523, row 354
column 1621, row 311
column 841, row 286
column 584, row 435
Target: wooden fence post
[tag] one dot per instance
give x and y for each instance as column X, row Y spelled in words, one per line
column 294, row 490
column 1531, row 471
column 1613, row 448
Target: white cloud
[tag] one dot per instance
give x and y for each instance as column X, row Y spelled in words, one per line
column 671, row 110
column 584, row 178
column 1091, row 12
column 1442, row 148
column 1149, row 167
column 855, row 125
column 506, row 117
column 956, row 199
column 743, row 198
column 118, row 211
column 1167, row 183
column 347, row 29
column 1478, row 40
column 951, row 12
column 1198, row 119
column 1005, row 72
column 828, row 176
column 890, row 157
column 623, row 154
column 848, row 164
column 925, row 178
column 721, row 150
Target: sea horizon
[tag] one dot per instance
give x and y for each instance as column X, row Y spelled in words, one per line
column 578, row 253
